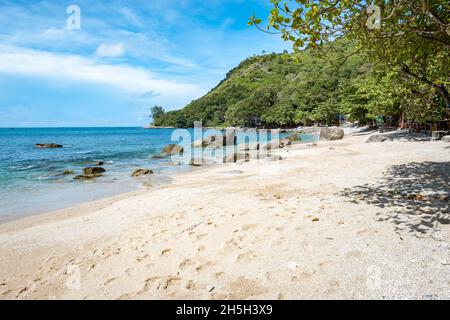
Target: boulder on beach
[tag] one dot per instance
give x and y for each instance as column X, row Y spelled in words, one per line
column 217, row 140
column 93, row 171
column 446, row 138
column 196, row 162
column 270, row 157
column 399, row 135
column 213, row 141
column 141, row 172
column 331, row 133
column 239, row 156
column 276, row 144
column 48, row 146
column 173, row 149
column 248, row 146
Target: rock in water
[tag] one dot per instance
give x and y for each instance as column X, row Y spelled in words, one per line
column 141, row 172
column 173, row 149
column 87, row 176
column 93, row 171
column 48, row 145
column 331, row 133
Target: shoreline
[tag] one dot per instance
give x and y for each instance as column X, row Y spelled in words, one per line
column 244, row 232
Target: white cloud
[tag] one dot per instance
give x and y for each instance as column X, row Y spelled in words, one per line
column 110, row 50
column 130, row 79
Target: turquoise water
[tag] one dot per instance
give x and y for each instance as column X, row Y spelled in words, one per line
column 31, row 180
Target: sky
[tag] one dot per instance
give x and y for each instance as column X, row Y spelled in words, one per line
column 120, row 58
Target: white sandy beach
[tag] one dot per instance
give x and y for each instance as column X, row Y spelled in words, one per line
column 338, row 220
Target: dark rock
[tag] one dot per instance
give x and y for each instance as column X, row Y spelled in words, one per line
column 48, row 145
column 87, row 176
column 98, row 163
column 237, row 157
column 141, row 172
column 93, row 171
column 173, row 149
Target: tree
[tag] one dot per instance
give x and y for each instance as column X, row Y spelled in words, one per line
column 156, row 113
column 408, row 37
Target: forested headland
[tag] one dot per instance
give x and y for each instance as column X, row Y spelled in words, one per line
column 341, row 68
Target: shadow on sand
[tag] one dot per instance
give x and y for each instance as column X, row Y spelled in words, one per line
column 414, row 196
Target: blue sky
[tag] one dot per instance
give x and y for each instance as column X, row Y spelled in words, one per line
column 127, row 57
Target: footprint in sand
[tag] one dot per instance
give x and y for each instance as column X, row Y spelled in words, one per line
column 186, row 263
column 109, row 281
column 204, row 266
column 165, row 252
column 201, row 236
column 191, row 285
column 246, row 256
column 219, row 275
column 247, row 227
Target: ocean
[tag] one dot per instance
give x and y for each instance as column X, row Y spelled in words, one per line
column 31, row 179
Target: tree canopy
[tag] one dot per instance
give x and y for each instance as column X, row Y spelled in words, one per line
column 411, row 38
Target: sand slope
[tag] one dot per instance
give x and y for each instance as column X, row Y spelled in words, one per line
column 340, row 220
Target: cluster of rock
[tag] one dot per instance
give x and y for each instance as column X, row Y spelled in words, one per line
column 141, row 172
column 217, row 141
column 173, row 149
column 398, row 135
column 324, row 133
column 90, row 173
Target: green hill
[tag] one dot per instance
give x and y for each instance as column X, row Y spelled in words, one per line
column 272, row 90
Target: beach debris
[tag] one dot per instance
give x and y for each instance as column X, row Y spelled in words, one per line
column 293, row 266
column 141, row 172
column 98, row 163
column 315, row 220
column 173, row 149
column 48, row 145
column 210, row 288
